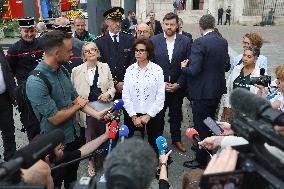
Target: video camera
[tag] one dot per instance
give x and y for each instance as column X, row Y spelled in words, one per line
column 263, row 80
column 257, row 168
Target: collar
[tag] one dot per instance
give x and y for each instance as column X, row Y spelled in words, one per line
column 149, row 66
column 207, row 32
column 112, row 34
column 166, row 36
column 180, row 32
column 86, row 33
column 46, row 67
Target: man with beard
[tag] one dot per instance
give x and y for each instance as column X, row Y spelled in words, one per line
column 115, row 47
column 154, row 24
column 128, row 24
column 56, row 108
column 80, row 30
column 23, row 57
column 170, row 49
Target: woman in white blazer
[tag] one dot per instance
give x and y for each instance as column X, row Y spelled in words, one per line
column 240, row 77
column 93, row 80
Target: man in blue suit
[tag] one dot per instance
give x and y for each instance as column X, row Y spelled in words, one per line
column 205, row 75
column 170, row 49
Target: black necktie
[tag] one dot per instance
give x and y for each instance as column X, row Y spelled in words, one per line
column 115, row 41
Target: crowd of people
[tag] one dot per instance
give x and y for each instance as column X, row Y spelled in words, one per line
column 150, row 66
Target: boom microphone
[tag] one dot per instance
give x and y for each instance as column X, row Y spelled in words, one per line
column 131, row 164
column 28, row 155
column 255, row 107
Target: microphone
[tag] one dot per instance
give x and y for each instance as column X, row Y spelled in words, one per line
column 255, row 107
column 131, row 164
column 123, row 132
column 116, row 105
column 192, row 135
column 28, row 155
column 262, row 71
column 112, row 134
column 162, row 145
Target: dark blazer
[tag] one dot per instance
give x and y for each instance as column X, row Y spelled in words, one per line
column 8, row 76
column 206, row 70
column 158, row 27
column 182, row 49
column 126, row 24
column 187, row 35
column 117, row 59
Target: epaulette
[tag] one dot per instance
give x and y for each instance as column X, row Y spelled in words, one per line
column 99, row 36
column 126, row 33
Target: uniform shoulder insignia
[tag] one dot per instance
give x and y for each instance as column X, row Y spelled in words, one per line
column 99, row 36
column 126, row 33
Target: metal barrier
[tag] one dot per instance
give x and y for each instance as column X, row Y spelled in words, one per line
column 262, row 7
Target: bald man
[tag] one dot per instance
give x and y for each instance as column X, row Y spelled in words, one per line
column 143, row 31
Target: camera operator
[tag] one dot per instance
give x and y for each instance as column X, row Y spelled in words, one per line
column 263, row 91
column 240, row 77
column 227, row 139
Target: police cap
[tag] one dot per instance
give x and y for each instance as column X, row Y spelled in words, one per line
column 114, row 13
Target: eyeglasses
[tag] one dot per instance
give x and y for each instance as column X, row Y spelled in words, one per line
column 141, row 31
column 140, row 50
column 89, row 51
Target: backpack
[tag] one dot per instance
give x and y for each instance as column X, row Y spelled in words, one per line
column 30, row 122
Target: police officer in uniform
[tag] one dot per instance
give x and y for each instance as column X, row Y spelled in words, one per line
column 23, row 57
column 115, row 47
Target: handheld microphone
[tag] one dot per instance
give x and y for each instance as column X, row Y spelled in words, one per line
column 162, row 145
column 192, row 135
column 112, row 134
column 116, row 105
column 255, row 107
column 123, row 132
column 262, row 71
column 28, row 155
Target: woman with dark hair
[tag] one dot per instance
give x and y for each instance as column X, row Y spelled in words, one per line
column 251, row 39
column 144, row 93
column 240, row 77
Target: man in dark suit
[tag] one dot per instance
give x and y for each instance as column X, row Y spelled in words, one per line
column 129, row 23
column 154, row 24
column 170, row 49
column 180, row 26
column 206, row 80
column 228, row 15
column 115, row 47
column 7, row 98
column 220, row 15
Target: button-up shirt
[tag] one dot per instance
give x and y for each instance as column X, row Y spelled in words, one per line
column 2, row 82
column 46, row 105
column 170, row 46
column 112, row 36
column 143, row 89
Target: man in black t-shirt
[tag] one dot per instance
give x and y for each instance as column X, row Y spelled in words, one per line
column 228, row 15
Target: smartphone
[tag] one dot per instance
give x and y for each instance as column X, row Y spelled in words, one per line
column 213, row 126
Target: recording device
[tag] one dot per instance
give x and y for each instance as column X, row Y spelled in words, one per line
column 192, row 135
column 10, row 173
column 130, row 165
column 263, row 80
column 112, row 133
column 257, row 168
column 116, row 105
column 213, row 126
column 123, row 132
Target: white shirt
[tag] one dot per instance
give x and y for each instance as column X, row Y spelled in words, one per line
column 2, row 82
column 170, row 46
column 143, row 89
column 112, row 34
column 91, row 73
column 281, row 99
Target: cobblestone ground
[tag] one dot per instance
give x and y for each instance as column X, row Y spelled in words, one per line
column 273, row 48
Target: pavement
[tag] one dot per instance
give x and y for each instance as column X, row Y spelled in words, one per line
column 273, row 48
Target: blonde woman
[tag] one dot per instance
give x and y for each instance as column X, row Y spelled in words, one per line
column 93, row 80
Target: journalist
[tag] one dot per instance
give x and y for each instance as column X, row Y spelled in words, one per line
column 240, row 77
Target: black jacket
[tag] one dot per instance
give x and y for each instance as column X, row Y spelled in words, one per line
column 158, row 27
column 8, row 76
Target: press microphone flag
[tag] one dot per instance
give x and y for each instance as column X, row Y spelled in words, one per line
column 162, row 145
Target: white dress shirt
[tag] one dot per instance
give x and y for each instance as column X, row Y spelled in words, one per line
column 2, row 82
column 143, row 89
column 170, row 46
column 112, row 34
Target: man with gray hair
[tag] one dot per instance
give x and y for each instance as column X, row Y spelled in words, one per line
column 143, row 31
column 41, row 29
column 205, row 72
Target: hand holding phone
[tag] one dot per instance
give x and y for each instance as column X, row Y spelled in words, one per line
column 213, row 126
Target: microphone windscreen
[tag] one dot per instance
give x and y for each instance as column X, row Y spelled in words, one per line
column 245, row 102
column 118, row 104
column 190, row 132
column 112, row 130
column 262, row 71
column 40, row 147
column 162, row 144
column 123, row 131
